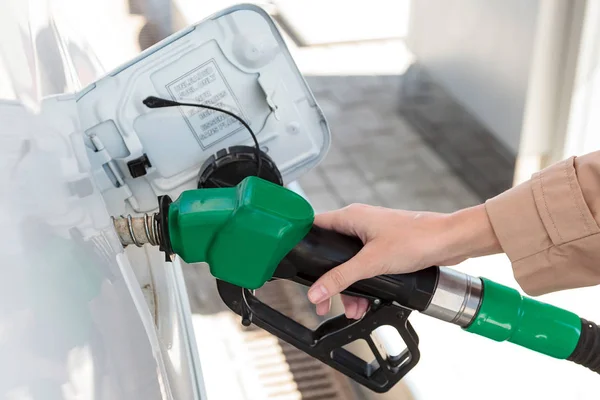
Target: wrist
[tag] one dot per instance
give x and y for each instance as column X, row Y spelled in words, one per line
column 471, row 233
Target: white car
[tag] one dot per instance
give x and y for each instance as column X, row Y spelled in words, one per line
column 80, row 317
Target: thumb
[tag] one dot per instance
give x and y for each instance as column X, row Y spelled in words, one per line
column 339, row 278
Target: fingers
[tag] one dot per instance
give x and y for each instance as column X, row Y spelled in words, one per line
column 339, row 278
column 355, row 307
column 350, row 306
column 363, row 306
column 324, row 307
column 342, row 221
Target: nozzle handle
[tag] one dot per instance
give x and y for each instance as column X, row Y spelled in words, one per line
column 322, row 250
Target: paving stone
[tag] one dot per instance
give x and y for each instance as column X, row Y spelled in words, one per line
column 477, row 181
column 411, row 179
column 448, row 154
column 397, row 125
column 489, row 167
column 313, row 180
column 370, row 166
column 345, row 94
column 363, row 194
column 335, row 157
column 456, row 135
column 322, row 202
column 338, row 176
column 431, row 160
column 376, row 163
column 438, row 203
column 415, row 176
column 373, row 164
column 329, row 107
column 362, row 120
column 397, row 198
column 371, row 83
column 377, row 157
column 459, row 191
column 397, row 145
column 320, row 84
column 442, row 112
column 464, row 139
column 500, row 152
column 347, row 135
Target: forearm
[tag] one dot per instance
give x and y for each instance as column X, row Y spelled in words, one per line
column 470, row 234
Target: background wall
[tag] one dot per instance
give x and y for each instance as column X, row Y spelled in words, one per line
column 481, row 52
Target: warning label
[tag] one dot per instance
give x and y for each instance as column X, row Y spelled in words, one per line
column 206, row 85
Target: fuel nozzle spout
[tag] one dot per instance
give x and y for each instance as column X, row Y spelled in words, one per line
column 152, row 229
column 138, row 231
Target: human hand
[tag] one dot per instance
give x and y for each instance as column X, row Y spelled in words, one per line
column 397, row 241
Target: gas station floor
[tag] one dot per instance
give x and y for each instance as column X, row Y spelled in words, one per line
column 376, row 157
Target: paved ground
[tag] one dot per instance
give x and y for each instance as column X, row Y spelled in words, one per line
column 376, row 157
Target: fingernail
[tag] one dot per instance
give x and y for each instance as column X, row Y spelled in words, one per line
column 317, row 294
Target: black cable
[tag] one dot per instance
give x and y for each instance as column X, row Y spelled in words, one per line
column 157, row 102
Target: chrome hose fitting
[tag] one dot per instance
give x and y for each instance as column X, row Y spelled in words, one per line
column 456, row 298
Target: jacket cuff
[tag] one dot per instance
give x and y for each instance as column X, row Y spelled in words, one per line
column 536, row 222
column 560, row 203
column 517, row 223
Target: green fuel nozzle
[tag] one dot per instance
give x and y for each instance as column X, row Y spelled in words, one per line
column 242, row 232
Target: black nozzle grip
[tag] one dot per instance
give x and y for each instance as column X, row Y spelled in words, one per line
column 322, row 249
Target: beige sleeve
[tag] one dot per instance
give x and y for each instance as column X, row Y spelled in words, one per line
column 548, row 226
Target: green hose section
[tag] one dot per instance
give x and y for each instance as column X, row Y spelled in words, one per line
column 506, row 315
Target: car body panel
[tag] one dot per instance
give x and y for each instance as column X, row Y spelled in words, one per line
column 74, row 320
